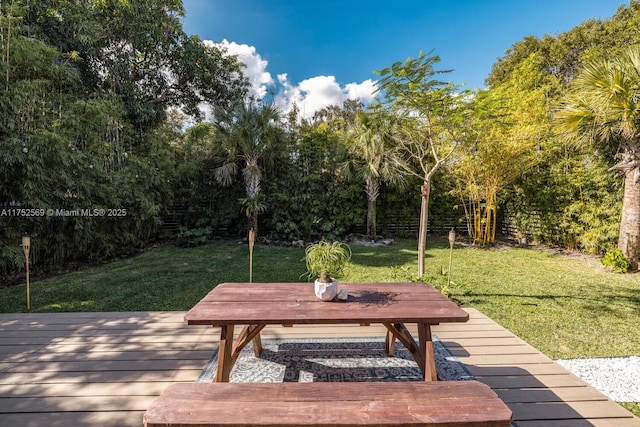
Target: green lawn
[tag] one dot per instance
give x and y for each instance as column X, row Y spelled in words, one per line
column 564, row 305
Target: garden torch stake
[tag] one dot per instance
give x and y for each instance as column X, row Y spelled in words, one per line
column 452, row 240
column 26, row 245
column 252, row 240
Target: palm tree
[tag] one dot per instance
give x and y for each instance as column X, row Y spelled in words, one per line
column 370, row 142
column 604, row 106
column 247, row 137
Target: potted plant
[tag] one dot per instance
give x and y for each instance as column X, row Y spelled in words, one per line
column 326, row 261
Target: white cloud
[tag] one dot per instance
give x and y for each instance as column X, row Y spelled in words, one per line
column 318, row 92
column 364, row 91
column 310, row 95
column 255, row 66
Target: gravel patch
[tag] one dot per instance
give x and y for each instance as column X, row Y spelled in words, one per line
column 616, row 377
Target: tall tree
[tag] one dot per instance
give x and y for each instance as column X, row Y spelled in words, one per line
column 339, row 117
column 564, row 54
column 434, row 116
column 603, row 107
column 248, row 139
column 371, row 143
column 510, row 131
column 563, row 195
column 138, row 51
column 84, row 93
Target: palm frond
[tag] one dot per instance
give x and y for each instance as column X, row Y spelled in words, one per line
column 604, row 103
column 226, row 173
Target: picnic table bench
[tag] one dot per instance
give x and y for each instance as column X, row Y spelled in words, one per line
column 442, row 403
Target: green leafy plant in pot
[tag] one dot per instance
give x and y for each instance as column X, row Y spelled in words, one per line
column 326, row 261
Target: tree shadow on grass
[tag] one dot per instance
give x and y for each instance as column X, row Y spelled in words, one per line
column 384, row 256
column 623, row 299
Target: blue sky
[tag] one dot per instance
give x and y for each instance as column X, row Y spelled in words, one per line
column 320, row 51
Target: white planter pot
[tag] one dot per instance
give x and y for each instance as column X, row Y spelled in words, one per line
column 326, row 291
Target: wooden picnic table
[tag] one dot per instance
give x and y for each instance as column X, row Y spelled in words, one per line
column 256, row 305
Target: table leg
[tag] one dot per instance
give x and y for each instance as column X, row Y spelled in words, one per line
column 248, row 333
column 228, row 350
column 225, row 359
column 400, row 331
column 426, row 348
column 257, row 345
column 390, row 343
column 422, row 351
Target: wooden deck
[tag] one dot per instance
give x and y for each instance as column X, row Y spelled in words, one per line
column 104, row 369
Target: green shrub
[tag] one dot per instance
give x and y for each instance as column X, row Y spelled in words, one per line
column 616, row 261
column 193, row 237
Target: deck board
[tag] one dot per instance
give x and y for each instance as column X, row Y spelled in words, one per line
column 91, row 369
